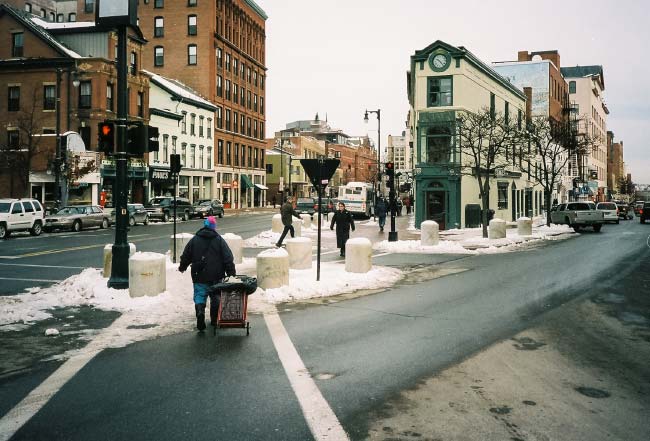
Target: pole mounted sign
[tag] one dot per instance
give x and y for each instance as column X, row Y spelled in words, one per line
column 113, row 13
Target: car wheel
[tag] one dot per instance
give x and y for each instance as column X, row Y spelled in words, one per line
column 36, row 230
column 3, row 232
column 131, row 221
column 104, row 224
column 642, row 220
column 597, row 228
column 47, row 230
column 146, row 220
column 186, row 216
column 165, row 217
column 76, row 226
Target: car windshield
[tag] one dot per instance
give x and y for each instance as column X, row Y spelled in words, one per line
column 70, row 210
column 204, row 204
column 305, row 201
column 607, row 206
column 4, row 207
column 160, row 201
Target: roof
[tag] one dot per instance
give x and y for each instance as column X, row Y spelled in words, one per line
column 255, row 7
column 181, row 91
column 583, row 72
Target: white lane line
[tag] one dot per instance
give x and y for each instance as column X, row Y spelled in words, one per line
column 29, row 280
column 380, row 254
column 45, row 266
column 37, row 398
column 9, row 257
column 319, row 415
column 327, row 252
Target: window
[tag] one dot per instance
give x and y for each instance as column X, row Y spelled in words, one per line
column 493, row 106
column 440, row 92
column 220, row 152
column 191, row 25
column 228, row 96
column 49, row 97
column 17, row 43
column 219, row 57
column 43, row 13
column 502, row 195
column 60, row 18
column 219, row 118
column 89, row 6
column 262, row 105
column 159, row 56
column 184, row 123
column 134, row 63
column 85, row 94
column 250, row 101
column 235, row 94
column 235, row 66
column 255, row 129
column 228, row 125
column 572, row 87
column 243, row 124
column 255, row 78
column 235, row 118
column 255, row 102
column 165, row 148
column 439, row 143
column 28, row 7
column 250, row 156
column 506, row 112
column 191, row 2
column 159, row 27
column 228, row 62
column 228, row 152
column 248, row 127
column 219, row 86
column 243, row 155
column 193, row 156
column 72, row 17
column 248, row 74
column 201, row 118
column 242, row 97
column 29, row 208
column 184, row 153
column 208, row 164
column 262, row 81
column 209, row 128
column 13, row 138
column 201, row 150
column 191, row 54
column 174, row 139
column 193, row 124
column 140, row 104
column 236, row 164
column 256, row 159
column 158, row 4
column 242, row 69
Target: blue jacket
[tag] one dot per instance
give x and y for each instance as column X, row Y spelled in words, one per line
column 381, row 208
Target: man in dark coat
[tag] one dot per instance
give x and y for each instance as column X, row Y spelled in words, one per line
column 343, row 220
column 380, row 210
column 287, row 212
column 211, row 261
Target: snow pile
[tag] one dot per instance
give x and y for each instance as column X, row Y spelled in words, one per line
column 230, row 236
column 334, row 280
column 265, row 239
column 277, row 252
column 369, row 223
column 411, row 226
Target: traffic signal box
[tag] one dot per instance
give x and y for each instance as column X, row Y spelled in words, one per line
column 106, row 137
column 141, row 139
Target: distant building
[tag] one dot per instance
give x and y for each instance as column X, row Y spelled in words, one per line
column 615, row 165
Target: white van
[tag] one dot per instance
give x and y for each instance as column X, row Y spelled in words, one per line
column 20, row 215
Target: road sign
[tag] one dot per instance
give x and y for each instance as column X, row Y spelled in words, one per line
column 320, row 170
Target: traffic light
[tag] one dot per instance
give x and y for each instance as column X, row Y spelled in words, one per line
column 136, row 140
column 390, row 170
column 152, row 139
column 106, row 137
column 175, row 163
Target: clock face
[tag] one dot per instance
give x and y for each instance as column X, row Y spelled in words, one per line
column 439, row 61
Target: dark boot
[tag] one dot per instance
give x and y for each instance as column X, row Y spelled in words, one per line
column 214, row 309
column 200, row 316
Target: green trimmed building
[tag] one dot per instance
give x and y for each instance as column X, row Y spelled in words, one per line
column 442, row 82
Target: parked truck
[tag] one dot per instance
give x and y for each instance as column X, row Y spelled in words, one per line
column 578, row 215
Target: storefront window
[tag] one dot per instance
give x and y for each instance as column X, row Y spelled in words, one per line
column 196, row 188
column 207, row 188
column 183, row 186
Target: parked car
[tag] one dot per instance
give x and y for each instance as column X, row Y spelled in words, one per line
column 625, row 211
column 306, row 206
column 137, row 214
column 208, row 207
column 162, row 208
column 578, row 215
column 610, row 211
column 638, row 205
column 76, row 218
column 644, row 213
column 20, row 215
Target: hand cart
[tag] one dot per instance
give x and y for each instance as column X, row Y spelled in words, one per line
column 234, row 302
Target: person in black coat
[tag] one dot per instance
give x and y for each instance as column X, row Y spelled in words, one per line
column 343, row 221
column 287, row 211
column 211, row 261
column 381, row 209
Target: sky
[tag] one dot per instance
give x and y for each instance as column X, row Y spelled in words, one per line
column 339, row 58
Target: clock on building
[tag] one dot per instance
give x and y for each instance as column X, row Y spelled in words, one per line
column 439, row 61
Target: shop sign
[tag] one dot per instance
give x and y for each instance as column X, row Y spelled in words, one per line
column 159, row 174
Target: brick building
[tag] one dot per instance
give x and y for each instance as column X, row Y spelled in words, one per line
column 58, row 11
column 34, row 53
column 615, row 164
column 218, row 49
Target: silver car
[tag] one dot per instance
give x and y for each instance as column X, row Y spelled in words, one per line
column 76, row 218
column 610, row 211
column 137, row 214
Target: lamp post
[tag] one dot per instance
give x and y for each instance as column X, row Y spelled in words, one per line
column 57, row 149
column 378, row 175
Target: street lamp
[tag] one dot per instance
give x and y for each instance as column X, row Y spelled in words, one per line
column 378, row 176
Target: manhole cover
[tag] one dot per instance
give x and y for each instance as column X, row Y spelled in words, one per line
column 592, row 392
column 503, row 410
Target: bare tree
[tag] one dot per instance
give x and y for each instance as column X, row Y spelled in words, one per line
column 486, row 140
column 553, row 146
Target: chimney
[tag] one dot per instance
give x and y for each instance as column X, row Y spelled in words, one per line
column 523, row 56
column 528, row 91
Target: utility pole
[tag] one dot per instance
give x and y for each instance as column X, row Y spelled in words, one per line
column 57, row 149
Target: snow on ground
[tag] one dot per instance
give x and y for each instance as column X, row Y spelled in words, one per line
column 268, row 238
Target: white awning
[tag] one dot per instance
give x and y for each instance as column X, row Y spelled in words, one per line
column 262, row 187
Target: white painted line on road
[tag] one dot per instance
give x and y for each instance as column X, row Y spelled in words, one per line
column 9, row 257
column 319, row 415
column 380, row 254
column 13, row 420
column 328, row 252
column 45, row 266
column 17, row 279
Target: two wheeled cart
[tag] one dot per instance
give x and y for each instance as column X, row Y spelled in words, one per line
column 233, row 304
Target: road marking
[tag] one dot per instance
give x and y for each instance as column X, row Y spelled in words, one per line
column 319, row 415
column 380, row 254
column 29, row 280
column 13, row 420
column 328, row 252
column 44, row 266
column 83, row 247
column 9, row 257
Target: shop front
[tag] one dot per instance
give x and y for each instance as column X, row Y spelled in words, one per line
column 136, row 173
column 160, row 182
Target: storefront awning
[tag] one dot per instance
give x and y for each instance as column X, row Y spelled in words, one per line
column 261, row 187
column 246, row 182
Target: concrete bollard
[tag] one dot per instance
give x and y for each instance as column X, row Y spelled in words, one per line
column 181, row 240
column 276, row 223
column 147, row 276
column 297, row 226
column 108, row 258
column 272, row 268
column 306, row 221
column 358, row 255
column 525, row 226
column 299, row 250
column 429, row 236
column 497, row 229
column 236, row 245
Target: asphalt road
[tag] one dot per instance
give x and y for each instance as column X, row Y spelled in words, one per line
column 361, row 351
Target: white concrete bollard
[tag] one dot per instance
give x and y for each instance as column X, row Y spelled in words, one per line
column 181, row 240
column 525, row 226
column 306, row 221
column 147, row 276
column 272, row 268
column 429, row 236
column 299, row 250
column 497, row 229
column 276, row 223
column 236, row 245
column 108, row 258
column 358, row 255
column 297, row 226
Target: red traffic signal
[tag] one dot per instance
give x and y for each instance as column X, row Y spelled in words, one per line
column 390, row 170
column 106, row 137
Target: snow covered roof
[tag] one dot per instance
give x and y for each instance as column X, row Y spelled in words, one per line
column 66, row 25
column 181, row 91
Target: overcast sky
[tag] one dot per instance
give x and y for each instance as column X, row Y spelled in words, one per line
column 340, row 57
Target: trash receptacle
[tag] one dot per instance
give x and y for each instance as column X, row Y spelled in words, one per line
column 472, row 215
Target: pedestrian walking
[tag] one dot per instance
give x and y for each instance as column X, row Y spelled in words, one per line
column 211, row 260
column 287, row 211
column 381, row 209
column 343, row 221
column 407, row 203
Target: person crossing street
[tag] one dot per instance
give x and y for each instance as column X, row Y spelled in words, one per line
column 381, row 209
column 343, row 221
column 287, row 211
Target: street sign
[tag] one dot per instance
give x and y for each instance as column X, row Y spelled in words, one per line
column 320, row 169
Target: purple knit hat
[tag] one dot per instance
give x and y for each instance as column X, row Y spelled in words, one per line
column 210, row 222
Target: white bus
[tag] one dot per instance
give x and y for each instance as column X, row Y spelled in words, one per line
column 358, row 197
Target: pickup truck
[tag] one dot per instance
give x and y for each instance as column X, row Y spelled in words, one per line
column 162, row 208
column 578, row 215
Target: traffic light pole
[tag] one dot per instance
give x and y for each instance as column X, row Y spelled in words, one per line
column 392, row 234
column 120, row 263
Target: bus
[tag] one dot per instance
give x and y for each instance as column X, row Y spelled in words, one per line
column 358, row 197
